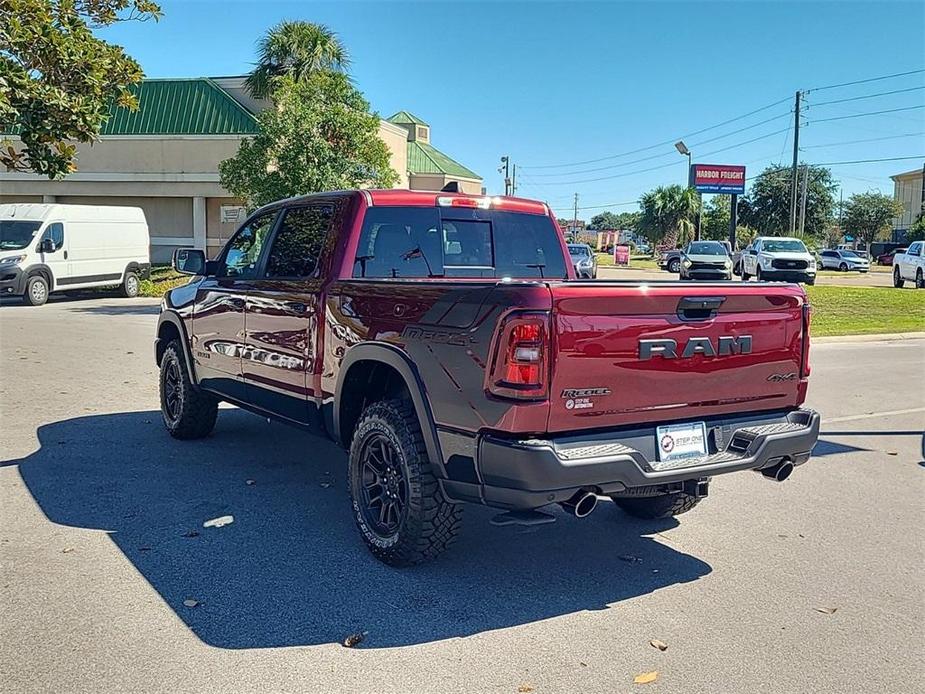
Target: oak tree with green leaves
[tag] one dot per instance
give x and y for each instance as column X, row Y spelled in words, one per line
column 58, row 80
column 320, row 136
column 766, row 207
column 869, row 216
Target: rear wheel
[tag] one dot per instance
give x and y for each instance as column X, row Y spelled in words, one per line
column 674, row 265
column 129, row 286
column 898, row 281
column 398, row 506
column 36, row 292
column 188, row 413
column 919, row 283
column 652, row 507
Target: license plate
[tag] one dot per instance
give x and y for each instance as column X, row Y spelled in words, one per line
column 680, row 445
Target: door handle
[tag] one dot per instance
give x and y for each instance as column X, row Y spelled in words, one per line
column 297, row 307
column 65, row 255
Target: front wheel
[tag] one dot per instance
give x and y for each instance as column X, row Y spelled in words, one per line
column 758, row 274
column 653, row 507
column 188, row 413
column 843, row 267
column 898, row 281
column 919, row 283
column 398, row 506
column 36, row 291
column 674, row 266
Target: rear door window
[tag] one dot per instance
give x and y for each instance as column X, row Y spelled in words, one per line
column 419, row 242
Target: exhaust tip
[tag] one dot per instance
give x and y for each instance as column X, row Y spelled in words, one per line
column 581, row 505
column 779, row 472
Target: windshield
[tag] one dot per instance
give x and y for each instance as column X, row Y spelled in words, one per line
column 416, row 242
column 16, row 235
column 704, row 248
column 783, row 246
column 579, row 251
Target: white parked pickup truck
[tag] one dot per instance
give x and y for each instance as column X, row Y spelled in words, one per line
column 910, row 266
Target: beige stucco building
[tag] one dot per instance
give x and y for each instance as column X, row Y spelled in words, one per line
column 907, row 189
column 164, row 158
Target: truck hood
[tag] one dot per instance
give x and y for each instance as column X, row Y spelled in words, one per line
column 707, row 258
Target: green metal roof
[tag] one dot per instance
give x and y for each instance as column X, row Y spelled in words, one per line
column 424, row 158
column 405, row 117
column 180, row 107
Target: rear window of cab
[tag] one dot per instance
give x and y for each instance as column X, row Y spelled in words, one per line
column 425, row 242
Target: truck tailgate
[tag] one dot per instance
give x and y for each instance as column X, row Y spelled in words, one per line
column 627, row 353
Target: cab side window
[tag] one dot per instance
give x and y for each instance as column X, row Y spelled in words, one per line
column 55, row 232
column 915, row 249
column 242, row 254
column 299, row 241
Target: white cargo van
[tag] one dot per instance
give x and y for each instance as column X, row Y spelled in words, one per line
column 48, row 248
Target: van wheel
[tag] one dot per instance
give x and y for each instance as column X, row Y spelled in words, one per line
column 36, row 291
column 398, row 506
column 652, row 507
column 188, row 413
column 898, row 281
column 129, row 286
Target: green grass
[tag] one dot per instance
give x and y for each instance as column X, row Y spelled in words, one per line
column 866, row 310
column 163, row 278
column 640, row 262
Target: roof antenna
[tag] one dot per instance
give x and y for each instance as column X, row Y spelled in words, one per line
column 451, row 187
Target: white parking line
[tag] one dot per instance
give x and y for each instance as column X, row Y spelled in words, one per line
column 870, row 415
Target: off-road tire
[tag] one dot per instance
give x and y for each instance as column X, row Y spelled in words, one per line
column 674, row 266
column 36, row 292
column 429, row 523
column 652, row 507
column 196, row 411
column 130, row 285
column 898, row 280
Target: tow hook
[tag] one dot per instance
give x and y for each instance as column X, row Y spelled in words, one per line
column 778, row 472
column 697, row 488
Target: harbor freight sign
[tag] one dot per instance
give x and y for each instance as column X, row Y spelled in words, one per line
column 718, row 178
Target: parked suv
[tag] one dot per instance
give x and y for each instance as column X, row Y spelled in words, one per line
column 706, row 260
column 843, row 260
column 441, row 339
column 778, row 258
column 910, row 266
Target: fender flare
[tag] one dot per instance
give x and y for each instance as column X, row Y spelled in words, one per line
column 168, row 316
column 392, row 356
column 39, row 268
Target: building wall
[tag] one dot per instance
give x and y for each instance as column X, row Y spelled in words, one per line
column 438, row 181
column 396, row 138
column 907, row 189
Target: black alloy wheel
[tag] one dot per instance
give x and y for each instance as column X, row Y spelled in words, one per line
column 385, row 488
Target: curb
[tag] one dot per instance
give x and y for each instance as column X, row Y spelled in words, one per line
column 882, row 337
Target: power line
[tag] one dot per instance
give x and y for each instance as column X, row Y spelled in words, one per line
column 661, row 155
column 868, row 113
column 868, row 161
column 660, row 144
column 870, row 139
column 869, row 79
column 864, row 96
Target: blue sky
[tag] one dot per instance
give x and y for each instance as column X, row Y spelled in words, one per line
column 553, row 83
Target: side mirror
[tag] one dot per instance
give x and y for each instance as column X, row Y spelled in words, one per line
column 47, row 246
column 189, row 261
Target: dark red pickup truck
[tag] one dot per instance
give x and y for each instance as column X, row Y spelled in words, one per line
column 443, row 340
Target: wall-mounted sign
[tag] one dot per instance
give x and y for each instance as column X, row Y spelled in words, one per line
column 718, row 178
column 231, row 214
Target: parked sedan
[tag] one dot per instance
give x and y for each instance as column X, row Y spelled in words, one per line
column 584, row 260
column 887, row 258
column 843, row 260
column 706, row 260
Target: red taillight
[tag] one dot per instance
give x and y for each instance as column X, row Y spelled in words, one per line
column 521, row 364
column 804, row 357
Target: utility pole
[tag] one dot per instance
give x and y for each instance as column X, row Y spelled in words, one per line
column 803, row 202
column 514, row 181
column 506, row 170
column 575, row 216
column 796, row 157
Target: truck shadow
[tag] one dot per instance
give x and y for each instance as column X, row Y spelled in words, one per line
column 290, row 570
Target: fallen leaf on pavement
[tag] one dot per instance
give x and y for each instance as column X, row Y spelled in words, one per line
column 354, row 639
column 660, row 645
column 826, row 610
column 646, row 677
column 190, row 602
column 525, row 688
column 66, row 550
column 218, row 522
column 892, row 453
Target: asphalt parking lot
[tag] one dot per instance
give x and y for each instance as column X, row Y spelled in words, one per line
column 816, row 584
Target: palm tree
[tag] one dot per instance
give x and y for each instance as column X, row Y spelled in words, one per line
column 297, row 49
column 667, row 214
